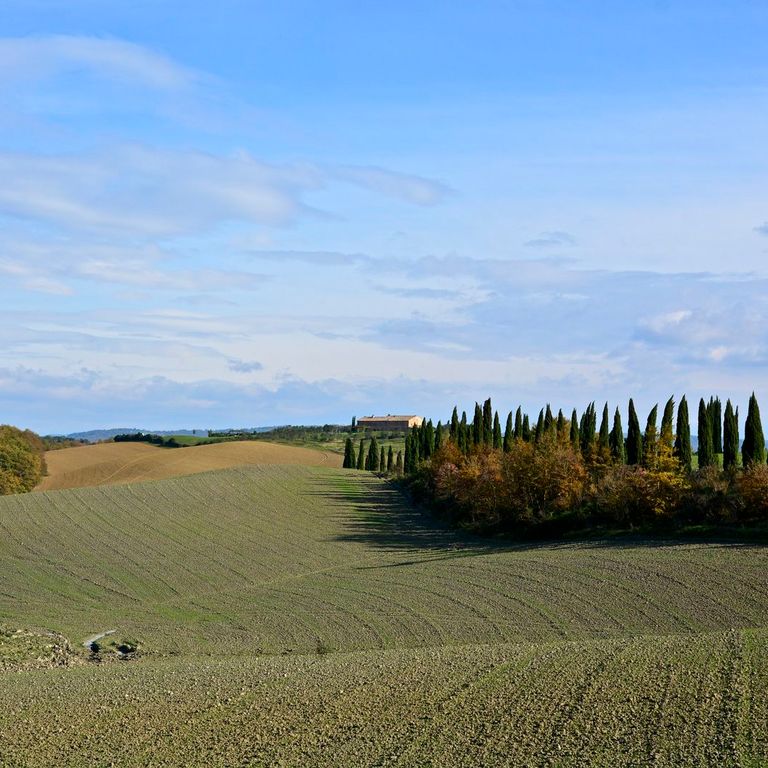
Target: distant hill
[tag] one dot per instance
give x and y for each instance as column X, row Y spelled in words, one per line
column 95, row 435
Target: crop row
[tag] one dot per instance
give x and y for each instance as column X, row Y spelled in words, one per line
column 676, row 700
column 276, row 559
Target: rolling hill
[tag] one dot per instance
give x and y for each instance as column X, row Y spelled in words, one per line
column 308, row 616
column 113, row 463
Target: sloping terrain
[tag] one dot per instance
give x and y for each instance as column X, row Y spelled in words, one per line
column 307, row 616
column 113, row 463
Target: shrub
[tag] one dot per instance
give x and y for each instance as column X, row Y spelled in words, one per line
column 752, row 485
column 635, row 496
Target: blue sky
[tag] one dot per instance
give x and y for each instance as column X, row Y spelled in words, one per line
column 243, row 213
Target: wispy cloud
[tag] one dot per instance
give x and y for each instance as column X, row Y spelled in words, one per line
column 762, row 229
column 32, row 58
column 551, row 240
column 403, row 186
column 242, row 366
column 142, row 191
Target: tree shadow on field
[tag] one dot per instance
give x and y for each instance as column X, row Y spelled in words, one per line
column 380, row 515
column 377, row 513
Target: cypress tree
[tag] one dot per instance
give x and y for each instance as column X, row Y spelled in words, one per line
column 667, row 434
column 349, row 454
column 549, row 421
column 372, row 463
column 526, row 429
column 618, row 451
column 604, row 436
column 496, row 431
column 361, row 456
column 454, row 433
column 428, row 440
column 382, row 461
column 477, row 426
column 683, row 436
column 509, row 434
column 651, row 440
column 487, row 422
column 587, row 429
column 464, row 432
column 519, row 423
column 539, row 426
column 560, row 424
column 753, row 447
column 634, row 437
column 574, row 435
column 706, row 451
column 717, row 425
column 730, row 438
column 390, row 459
column 438, row 436
column 399, row 463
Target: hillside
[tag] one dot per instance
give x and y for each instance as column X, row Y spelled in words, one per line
column 113, row 463
column 306, row 615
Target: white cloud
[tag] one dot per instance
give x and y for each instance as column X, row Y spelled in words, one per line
column 33, row 58
column 407, row 187
column 141, row 191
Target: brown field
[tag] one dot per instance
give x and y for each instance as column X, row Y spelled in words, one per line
column 114, row 463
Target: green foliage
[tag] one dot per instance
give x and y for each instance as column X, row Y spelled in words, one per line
column 526, row 429
column 350, row 460
column 706, row 453
column 361, row 455
column 477, row 426
column 753, row 448
column 509, row 433
column 574, row 430
column 682, row 448
column 618, row 448
column 667, row 434
column 496, row 431
column 715, row 413
column 604, row 436
column 487, row 431
column 454, row 431
column 560, row 423
column 651, row 441
column 587, row 429
column 22, row 463
column 519, row 423
column 372, row 459
column 730, row 438
column 634, row 437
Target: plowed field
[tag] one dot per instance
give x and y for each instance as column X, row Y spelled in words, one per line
column 307, row 616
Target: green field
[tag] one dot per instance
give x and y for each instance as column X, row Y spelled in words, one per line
column 308, row 616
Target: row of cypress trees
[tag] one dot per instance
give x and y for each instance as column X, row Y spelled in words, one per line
column 652, row 447
column 376, row 459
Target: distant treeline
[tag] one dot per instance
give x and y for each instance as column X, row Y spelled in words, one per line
column 291, row 434
column 141, row 437
column 567, row 473
column 22, row 461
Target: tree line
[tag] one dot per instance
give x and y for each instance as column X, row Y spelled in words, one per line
column 583, row 469
column 375, row 459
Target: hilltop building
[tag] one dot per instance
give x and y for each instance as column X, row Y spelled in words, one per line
column 390, row 423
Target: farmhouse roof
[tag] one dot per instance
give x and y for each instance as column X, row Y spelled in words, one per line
column 388, row 418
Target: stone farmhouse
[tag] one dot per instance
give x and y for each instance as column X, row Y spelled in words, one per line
column 390, row 423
